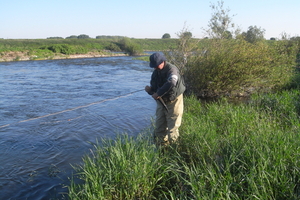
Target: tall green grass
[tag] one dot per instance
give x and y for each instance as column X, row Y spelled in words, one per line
column 245, row 151
column 226, row 151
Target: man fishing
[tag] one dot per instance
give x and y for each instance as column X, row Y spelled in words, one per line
column 166, row 87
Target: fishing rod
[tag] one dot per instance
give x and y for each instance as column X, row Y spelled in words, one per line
column 163, row 103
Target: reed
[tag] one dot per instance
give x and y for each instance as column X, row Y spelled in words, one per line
column 226, row 151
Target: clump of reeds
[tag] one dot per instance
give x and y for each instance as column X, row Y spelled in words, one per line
column 226, row 151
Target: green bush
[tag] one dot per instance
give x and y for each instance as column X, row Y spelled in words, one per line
column 61, row 48
column 113, row 47
column 130, row 47
column 80, row 50
column 36, row 54
column 133, row 49
column 236, row 66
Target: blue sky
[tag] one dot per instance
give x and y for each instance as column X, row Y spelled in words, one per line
column 32, row 19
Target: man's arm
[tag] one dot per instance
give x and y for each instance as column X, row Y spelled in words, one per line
column 171, row 82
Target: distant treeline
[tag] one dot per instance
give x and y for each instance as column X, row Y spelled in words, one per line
column 84, row 36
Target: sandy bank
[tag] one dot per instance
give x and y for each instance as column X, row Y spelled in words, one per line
column 23, row 56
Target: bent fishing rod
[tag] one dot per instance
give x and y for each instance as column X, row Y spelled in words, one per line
column 163, row 103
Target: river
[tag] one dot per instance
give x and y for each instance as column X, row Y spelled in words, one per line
column 53, row 111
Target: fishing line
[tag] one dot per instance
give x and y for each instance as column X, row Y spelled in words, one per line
column 53, row 122
column 72, row 109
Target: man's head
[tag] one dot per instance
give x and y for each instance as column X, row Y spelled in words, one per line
column 157, row 60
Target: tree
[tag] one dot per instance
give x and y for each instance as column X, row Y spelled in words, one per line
column 83, row 36
column 109, row 37
column 166, row 36
column 184, row 50
column 295, row 38
column 254, row 34
column 186, row 34
column 72, row 37
column 55, row 38
column 227, row 35
column 220, row 23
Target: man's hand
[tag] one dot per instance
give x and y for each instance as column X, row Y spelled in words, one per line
column 148, row 89
column 155, row 96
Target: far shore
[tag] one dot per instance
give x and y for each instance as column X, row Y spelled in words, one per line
column 23, row 56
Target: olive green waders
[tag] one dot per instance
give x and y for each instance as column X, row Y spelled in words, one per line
column 168, row 122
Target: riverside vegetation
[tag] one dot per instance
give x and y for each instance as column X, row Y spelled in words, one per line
column 41, row 49
column 244, row 151
column 226, row 150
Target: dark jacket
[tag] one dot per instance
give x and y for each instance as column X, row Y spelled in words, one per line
column 167, row 83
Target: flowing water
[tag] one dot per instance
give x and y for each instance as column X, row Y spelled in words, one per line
column 52, row 112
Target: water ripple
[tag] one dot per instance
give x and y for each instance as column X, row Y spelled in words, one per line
column 52, row 112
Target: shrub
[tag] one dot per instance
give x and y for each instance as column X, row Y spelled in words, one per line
column 130, row 47
column 113, row 47
column 61, row 48
column 133, row 49
column 80, row 50
column 36, row 54
column 236, row 66
column 166, row 36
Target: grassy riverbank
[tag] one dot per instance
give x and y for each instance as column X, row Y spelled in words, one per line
column 226, row 151
column 47, row 49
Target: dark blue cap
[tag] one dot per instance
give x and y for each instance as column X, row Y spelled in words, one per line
column 156, row 59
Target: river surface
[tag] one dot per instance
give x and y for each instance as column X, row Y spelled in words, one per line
column 52, row 112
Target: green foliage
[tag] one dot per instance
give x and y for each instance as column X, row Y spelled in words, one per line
column 119, row 169
column 166, row 36
column 241, row 151
column 109, row 37
column 220, row 24
column 235, row 66
column 89, row 44
column 37, row 54
column 55, row 38
column 65, row 49
column 156, row 44
column 133, row 49
column 182, row 53
column 61, row 48
column 226, row 151
column 130, row 47
column 254, row 34
column 113, row 47
column 83, row 36
column 283, row 107
column 186, row 34
column 296, row 41
column 72, row 37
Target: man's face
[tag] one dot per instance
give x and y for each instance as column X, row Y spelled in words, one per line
column 160, row 67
